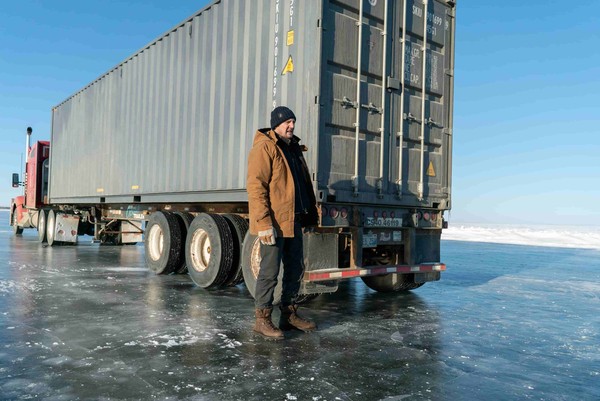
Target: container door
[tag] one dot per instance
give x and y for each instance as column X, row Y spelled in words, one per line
column 350, row 170
column 402, row 152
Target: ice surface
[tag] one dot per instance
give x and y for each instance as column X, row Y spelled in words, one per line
column 505, row 322
column 554, row 236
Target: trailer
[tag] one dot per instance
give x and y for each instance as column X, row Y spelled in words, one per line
column 155, row 149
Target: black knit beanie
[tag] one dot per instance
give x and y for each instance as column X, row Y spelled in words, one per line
column 281, row 114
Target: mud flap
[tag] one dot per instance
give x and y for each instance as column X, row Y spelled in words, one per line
column 66, row 227
column 320, row 252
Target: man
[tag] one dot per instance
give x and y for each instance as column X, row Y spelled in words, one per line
column 281, row 201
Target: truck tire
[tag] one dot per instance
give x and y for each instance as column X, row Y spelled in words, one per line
column 185, row 219
column 41, row 226
column 162, row 242
column 251, row 265
column 239, row 227
column 209, row 250
column 15, row 225
column 392, row 282
column 51, row 228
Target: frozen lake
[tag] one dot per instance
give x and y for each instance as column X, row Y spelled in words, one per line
column 506, row 322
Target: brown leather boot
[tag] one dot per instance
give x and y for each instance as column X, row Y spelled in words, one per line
column 291, row 320
column 264, row 326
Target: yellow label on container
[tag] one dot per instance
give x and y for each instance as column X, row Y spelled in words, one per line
column 290, row 38
column 431, row 170
column 99, row 190
column 135, row 187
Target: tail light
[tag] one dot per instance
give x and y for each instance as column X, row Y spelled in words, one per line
column 344, row 213
column 426, row 216
column 333, row 212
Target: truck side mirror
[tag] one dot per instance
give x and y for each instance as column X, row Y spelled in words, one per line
column 15, row 180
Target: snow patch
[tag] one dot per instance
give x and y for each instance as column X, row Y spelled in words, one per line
column 228, row 342
column 9, row 286
column 127, row 269
column 190, row 336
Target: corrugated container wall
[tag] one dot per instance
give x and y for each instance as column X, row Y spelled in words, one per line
column 175, row 122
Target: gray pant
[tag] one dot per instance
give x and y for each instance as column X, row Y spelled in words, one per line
column 290, row 252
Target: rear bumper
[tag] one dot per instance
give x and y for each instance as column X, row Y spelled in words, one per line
column 340, row 274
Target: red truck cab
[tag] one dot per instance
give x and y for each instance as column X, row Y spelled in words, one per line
column 24, row 208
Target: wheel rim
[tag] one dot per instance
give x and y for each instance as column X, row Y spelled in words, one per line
column 155, row 242
column 42, row 222
column 200, row 250
column 50, row 227
column 42, row 226
column 255, row 258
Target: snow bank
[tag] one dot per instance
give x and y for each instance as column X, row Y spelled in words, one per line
column 555, row 236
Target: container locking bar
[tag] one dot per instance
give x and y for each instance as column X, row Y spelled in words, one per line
column 400, row 133
column 423, row 95
column 372, row 109
column 433, row 123
column 359, row 23
column 412, row 118
column 347, row 103
column 383, row 99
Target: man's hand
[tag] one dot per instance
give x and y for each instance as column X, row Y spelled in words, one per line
column 267, row 237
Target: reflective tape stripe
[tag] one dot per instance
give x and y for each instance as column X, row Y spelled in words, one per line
column 375, row 271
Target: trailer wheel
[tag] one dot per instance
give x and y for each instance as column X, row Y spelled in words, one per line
column 15, row 225
column 239, row 227
column 51, row 228
column 162, row 243
column 251, row 265
column 41, row 226
column 392, row 282
column 209, row 250
column 185, row 219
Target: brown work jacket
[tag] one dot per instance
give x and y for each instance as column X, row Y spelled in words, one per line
column 270, row 186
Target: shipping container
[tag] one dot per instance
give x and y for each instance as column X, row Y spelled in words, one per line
column 370, row 81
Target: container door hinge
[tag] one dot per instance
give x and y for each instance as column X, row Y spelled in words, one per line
column 379, row 187
column 355, row 186
column 399, row 189
column 449, row 72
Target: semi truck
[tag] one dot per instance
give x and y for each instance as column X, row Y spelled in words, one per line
column 155, row 149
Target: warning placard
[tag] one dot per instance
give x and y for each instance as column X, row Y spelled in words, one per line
column 431, row 170
column 289, row 66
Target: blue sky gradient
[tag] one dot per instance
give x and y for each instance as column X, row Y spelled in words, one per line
column 527, row 108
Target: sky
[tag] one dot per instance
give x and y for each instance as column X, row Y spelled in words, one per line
column 527, row 94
